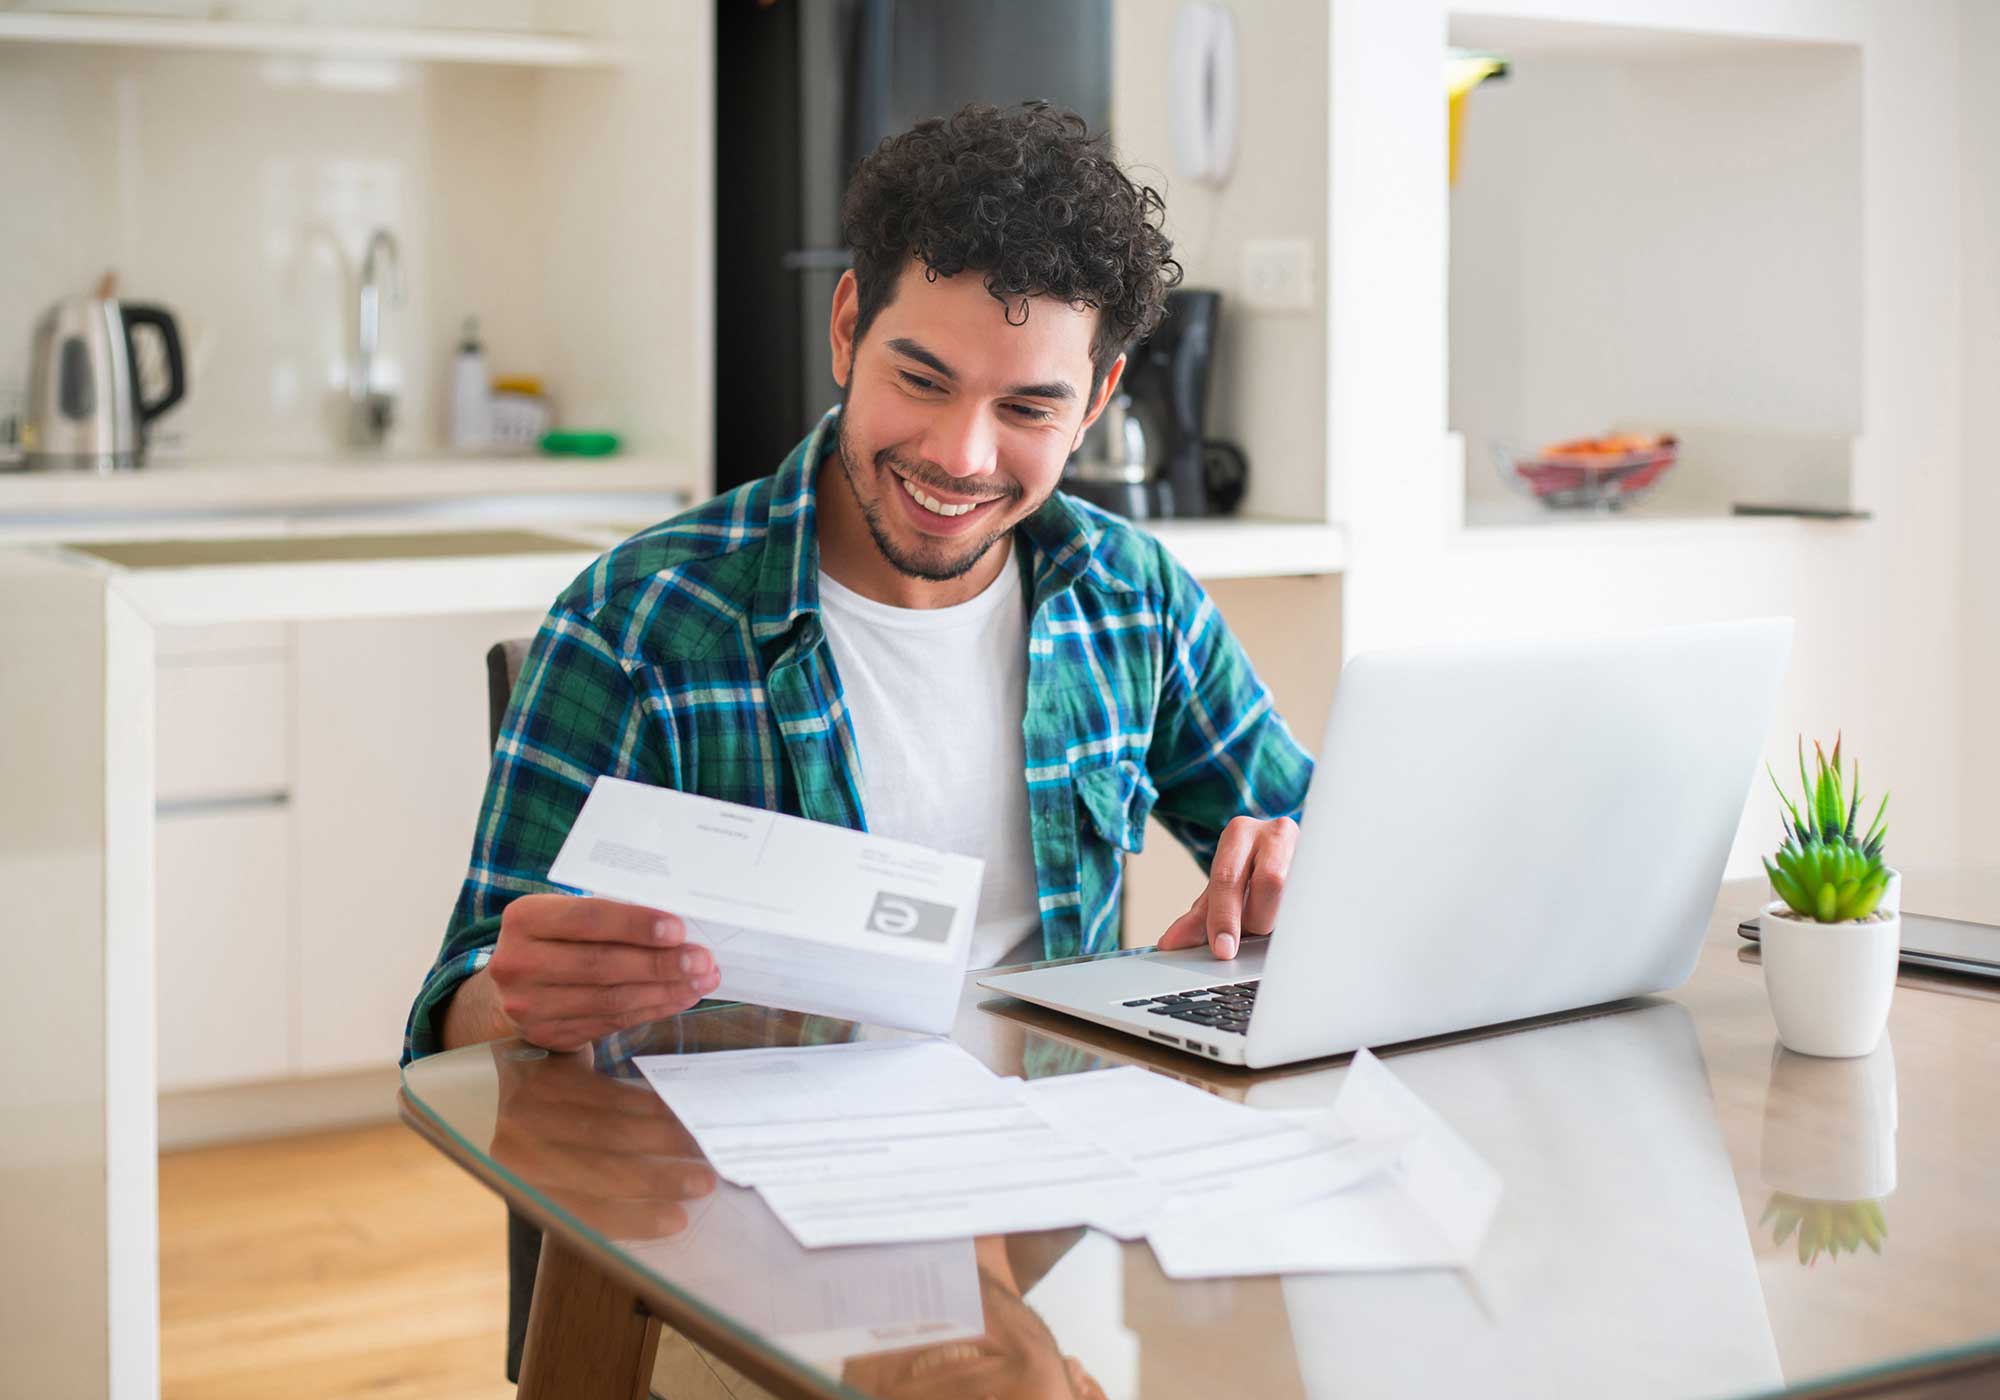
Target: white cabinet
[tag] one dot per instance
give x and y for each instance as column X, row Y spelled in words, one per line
column 223, row 892
column 392, row 759
column 318, row 785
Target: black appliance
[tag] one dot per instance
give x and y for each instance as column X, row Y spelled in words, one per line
column 1148, row 455
column 804, row 90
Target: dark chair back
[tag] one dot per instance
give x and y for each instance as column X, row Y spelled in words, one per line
column 524, row 1241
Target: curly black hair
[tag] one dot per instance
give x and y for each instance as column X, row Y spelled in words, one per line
column 1026, row 195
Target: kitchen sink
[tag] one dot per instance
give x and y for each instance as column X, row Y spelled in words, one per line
column 315, row 549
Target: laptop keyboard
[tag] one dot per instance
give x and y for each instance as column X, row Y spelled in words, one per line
column 1226, row 1007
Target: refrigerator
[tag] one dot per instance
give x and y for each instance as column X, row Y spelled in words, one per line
column 804, row 90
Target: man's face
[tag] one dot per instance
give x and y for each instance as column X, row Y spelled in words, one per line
column 957, row 423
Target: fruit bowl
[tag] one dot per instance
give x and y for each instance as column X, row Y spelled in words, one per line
column 1603, row 473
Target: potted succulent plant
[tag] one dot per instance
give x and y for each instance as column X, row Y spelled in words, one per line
column 1832, row 937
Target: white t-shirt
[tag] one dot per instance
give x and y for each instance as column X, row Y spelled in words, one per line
column 937, row 696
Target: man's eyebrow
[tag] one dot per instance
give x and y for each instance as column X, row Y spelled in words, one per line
column 911, row 350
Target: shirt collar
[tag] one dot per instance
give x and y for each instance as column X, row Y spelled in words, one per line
column 1055, row 541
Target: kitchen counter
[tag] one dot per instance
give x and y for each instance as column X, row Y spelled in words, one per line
column 279, row 486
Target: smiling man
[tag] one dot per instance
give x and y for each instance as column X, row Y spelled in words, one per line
column 907, row 628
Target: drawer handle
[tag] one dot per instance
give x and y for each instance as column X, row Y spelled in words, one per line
column 223, row 802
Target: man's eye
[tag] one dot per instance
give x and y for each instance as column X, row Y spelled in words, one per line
column 1030, row 414
column 916, row 381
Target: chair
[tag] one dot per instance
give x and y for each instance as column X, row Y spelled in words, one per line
column 524, row 1240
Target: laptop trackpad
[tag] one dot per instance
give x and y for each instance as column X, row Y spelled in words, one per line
column 1145, row 974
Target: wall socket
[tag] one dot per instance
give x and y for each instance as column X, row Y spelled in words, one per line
column 1278, row 274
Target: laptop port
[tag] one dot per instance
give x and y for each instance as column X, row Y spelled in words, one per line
column 1162, row 1035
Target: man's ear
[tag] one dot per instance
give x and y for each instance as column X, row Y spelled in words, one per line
column 840, row 327
column 1104, row 393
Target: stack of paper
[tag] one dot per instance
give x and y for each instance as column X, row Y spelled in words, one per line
column 890, row 1141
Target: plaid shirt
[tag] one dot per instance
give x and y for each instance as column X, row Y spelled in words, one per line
column 693, row 656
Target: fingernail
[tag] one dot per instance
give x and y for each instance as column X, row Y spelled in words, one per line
column 689, row 962
column 710, row 981
column 667, row 930
column 1225, row 945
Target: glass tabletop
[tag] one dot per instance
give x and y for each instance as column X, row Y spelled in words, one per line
column 1688, row 1209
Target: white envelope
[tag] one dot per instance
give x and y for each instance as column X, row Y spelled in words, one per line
column 800, row 915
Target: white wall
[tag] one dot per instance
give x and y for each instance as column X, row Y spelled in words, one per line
column 1686, row 255
column 1877, row 603
column 1979, row 51
column 569, row 210
column 1270, row 365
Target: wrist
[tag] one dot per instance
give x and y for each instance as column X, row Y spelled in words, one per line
column 473, row 1015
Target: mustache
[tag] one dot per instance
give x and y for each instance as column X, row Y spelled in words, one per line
column 936, row 478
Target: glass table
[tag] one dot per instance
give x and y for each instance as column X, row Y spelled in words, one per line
column 1688, row 1210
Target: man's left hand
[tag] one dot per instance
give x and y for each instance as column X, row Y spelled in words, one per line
column 1244, row 882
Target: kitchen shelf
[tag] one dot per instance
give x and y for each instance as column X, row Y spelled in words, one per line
column 1635, row 28
column 1238, row 548
column 495, row 47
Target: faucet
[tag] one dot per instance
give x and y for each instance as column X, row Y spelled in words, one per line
column 372, row 410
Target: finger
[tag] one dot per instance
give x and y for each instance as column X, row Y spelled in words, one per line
column 615, row 1005
column 1270, row 865
column 1227, row 875
column 581, row 919
column 1190, row 930
column 579, row 1033
column 602, row 964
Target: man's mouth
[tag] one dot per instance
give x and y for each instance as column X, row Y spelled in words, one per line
column 937, row 507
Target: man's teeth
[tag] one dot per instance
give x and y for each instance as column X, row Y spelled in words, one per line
column 932, row 503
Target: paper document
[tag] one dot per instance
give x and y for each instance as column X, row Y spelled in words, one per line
column 826, row 1305
column 1430, row 1209
column 890, row 1141
column 1208, row 1153
column 800, row 915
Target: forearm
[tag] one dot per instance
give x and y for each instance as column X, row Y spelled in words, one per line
column 473, row 1014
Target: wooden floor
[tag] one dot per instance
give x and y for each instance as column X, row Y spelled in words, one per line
column 356, row 1263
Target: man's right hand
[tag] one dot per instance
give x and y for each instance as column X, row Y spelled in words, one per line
column 568, row 970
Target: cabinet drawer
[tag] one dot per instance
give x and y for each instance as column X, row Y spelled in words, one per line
column 224, row 945
column 223, row 728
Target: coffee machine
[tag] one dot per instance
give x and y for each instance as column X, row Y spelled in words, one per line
column 1146, row 456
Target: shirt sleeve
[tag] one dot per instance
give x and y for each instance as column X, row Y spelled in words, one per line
column 575, row 714
column 1220, row 749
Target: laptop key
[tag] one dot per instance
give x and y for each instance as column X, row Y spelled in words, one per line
column 1162, row 1010
column 1142, row 1001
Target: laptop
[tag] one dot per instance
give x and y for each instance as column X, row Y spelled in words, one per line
column 1495, row 830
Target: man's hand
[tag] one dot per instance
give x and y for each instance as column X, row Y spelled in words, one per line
column 1244, row 882
column 567, row 971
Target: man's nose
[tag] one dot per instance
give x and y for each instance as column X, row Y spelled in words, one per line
column 963, row 441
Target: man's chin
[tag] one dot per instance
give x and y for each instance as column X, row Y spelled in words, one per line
column 933, row 562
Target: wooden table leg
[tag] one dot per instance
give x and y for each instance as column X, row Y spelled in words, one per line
column 589, row 1337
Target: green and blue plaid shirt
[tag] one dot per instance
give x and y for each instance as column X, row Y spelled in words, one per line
column 693, row 656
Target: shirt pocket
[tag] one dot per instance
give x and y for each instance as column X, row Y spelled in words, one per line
column 1116, row 800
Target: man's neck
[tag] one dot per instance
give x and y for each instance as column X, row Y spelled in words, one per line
column 848, row 553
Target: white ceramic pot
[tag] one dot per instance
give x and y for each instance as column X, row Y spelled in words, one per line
column 1830, row 984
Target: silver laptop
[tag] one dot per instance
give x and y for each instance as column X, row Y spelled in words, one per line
column 1494, row 831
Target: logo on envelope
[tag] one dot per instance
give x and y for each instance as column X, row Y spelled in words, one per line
column 900, row 916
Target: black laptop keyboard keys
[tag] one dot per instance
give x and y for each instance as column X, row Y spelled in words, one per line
column 1227, row 1007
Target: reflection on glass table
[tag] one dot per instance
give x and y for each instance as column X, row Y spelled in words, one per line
column 1618, row 1258
column 1829, row 1151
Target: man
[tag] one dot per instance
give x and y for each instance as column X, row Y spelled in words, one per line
column 907, row 628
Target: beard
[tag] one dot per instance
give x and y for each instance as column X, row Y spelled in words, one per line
column 937, row 561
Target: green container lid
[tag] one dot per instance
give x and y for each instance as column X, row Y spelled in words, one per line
column 569, row 443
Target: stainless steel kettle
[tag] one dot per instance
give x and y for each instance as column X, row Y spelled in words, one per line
column 85, row 408
column 1119, row 465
